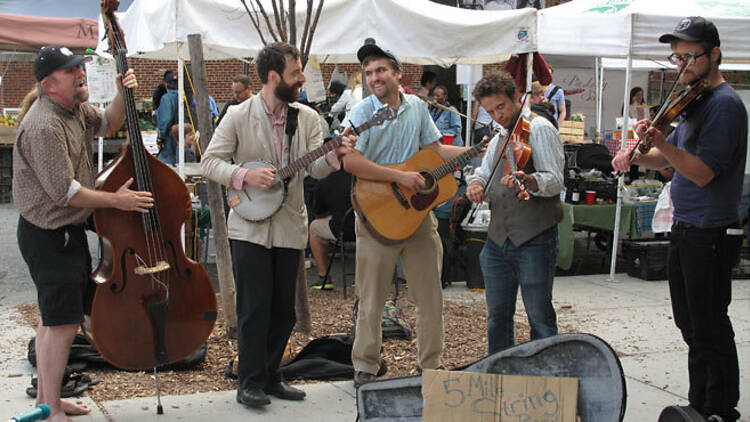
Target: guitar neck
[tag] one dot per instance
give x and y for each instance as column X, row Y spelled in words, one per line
column 297, row 165
column 458, row 161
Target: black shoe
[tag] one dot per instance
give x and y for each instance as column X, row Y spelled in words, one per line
column 362, row 378
column 252, row 397
column 284, row 391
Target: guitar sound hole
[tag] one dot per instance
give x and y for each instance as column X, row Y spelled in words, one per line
column 429, row 182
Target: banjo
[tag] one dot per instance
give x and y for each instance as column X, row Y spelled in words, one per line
column 257, row 204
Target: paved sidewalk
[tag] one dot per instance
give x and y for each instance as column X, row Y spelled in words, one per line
column 634, row 316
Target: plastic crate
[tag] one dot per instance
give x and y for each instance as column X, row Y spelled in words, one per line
column 646, row 258
column 6, row 157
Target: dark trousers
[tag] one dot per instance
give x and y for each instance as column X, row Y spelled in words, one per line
column 700, row 263
column 265, row 283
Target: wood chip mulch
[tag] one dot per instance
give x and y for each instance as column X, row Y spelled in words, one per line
column 465, row 342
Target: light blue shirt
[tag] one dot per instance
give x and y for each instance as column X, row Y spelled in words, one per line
column 557, row 100
column 448, row 123
column 395, row 141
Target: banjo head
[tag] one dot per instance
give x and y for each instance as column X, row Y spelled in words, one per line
column 256, row 204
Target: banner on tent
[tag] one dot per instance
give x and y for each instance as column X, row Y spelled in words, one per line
column 314, row 87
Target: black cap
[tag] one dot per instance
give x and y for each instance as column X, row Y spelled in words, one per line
column 372, row 49
column 694, row 29
column 170, row 76
column 55, row 57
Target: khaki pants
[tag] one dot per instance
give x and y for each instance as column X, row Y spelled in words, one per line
column 422, row 256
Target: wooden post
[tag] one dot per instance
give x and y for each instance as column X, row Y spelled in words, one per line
column 215, row 200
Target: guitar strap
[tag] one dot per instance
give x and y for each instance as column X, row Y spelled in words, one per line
column 292, row 114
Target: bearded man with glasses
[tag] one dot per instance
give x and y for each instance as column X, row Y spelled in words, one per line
column 707, row 150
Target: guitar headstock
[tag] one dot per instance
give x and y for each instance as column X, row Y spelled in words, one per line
column 114, row 31
column 385, row 113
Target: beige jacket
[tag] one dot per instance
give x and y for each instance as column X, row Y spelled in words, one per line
column 244, row 134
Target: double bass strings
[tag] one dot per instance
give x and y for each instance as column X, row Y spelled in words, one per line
column 150, row 219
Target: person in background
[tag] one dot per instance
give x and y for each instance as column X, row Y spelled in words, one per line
column 351, row 96
column 53, row 191
column 521, row 246
column 447, row 123
column 331, row 200
column 556, row 96
column 708, row 151
column 428, row 82
column 482, row 121
column 160, row 90
column 637, row 105
column 242, row 89
column 540, row 105
column 190, row 144
column 166, row 117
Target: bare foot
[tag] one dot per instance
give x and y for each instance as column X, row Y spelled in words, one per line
column 74, row 409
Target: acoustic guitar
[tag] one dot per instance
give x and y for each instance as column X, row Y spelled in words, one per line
column 393, row 212
column 257, row 204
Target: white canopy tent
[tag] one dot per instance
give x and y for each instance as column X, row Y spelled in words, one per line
column 630, row 29
column 417, row 31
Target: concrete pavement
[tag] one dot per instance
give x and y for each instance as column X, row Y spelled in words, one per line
column 633, row 315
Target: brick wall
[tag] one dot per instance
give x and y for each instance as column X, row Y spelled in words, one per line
column 18, row 79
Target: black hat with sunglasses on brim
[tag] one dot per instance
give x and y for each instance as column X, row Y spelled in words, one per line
column 372, row 49
column 694, row 29
column 55, row 57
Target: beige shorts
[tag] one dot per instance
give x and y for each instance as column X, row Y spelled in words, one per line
column 321, row 228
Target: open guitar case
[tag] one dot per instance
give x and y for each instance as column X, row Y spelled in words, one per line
column 601, row 383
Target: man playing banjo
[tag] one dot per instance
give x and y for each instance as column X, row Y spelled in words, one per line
column 271, row 128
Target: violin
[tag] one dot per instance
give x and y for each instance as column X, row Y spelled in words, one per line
column 517, row 152
column 670, row 110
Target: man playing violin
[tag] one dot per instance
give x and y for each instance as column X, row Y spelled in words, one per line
column 521, row 246
column 272, row 127
column 53, row 190
column 707, row 151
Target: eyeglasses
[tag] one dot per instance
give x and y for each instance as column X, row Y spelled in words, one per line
column 676, row 59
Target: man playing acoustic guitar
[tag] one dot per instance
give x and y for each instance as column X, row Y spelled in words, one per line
column 395, row 142
column 707, row 151
column 274, row 128
column 521, row 243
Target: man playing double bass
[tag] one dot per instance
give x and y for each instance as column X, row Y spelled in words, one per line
column 266, row 254
column 707, row 151
column 53, row 190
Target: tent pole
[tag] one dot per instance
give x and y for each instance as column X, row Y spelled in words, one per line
column 598, row 99
column 181, row 113
column 621, row 179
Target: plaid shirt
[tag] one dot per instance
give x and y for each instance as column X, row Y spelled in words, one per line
column 52, row 149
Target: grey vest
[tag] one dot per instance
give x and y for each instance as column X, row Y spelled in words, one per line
column 515, row 219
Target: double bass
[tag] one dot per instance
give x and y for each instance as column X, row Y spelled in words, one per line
column 151, row 304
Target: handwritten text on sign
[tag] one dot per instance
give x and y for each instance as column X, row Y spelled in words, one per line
column 460, row 396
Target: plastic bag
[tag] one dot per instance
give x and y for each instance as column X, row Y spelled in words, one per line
column 662, row 221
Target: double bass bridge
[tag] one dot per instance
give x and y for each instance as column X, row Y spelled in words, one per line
column 146, row 270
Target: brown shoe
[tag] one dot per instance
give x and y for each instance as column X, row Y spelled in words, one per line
column 362, row 378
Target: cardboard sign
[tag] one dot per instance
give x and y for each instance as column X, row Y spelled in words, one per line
column 454, row 396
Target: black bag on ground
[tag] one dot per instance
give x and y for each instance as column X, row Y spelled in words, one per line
column 325, row 358
column 83, row 355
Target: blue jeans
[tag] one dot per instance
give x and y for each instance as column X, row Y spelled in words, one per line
column 532, row 266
